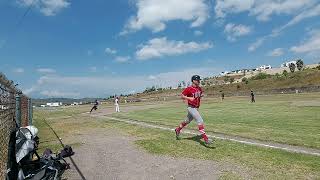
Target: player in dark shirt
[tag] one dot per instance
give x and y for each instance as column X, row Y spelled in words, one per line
column 252, row 97
column 95, row 106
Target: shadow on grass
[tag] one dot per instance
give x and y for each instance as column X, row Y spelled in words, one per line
column 198, row 139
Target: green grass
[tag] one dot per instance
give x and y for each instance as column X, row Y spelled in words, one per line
column 257, row 162
column 277, row 118
column 254, row 162
column 67, row 122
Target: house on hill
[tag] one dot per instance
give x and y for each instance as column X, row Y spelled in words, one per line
column 54, row 104
column 264, row 67
column 286, row 64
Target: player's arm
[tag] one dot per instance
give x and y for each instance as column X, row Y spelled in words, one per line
column 201, row 93
column 186, row 97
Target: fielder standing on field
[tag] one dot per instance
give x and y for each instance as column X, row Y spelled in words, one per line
column 116, row 103
column 192, row 95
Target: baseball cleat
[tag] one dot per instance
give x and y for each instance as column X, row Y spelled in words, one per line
column 177, row 134
column 209, row 141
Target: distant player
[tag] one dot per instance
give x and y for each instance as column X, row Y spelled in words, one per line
column 95, row 106
column 116, row 103
column 192, row 96
column 252, row 97
column 222, row 96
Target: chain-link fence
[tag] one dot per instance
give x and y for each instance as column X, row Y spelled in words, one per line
column 15, row 111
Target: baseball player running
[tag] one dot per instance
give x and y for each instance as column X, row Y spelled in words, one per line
column 192, row 96
column 95, row 106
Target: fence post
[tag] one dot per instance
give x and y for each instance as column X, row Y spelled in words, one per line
column 30, row 111
column 18, row 110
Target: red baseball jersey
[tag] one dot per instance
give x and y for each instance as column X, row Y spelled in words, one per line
column 195, row 92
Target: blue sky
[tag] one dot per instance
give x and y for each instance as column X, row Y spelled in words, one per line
column 68, row 48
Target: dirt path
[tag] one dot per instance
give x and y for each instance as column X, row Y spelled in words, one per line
column 105, row 155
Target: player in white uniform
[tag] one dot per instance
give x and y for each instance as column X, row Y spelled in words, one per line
column 116, row 103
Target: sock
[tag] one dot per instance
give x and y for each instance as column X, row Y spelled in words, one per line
column 203, row 133
column 183, row 124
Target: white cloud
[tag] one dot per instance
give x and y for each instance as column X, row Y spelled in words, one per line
column 122, row 59
column 198, row 33
column 89, row 52
column 60, row 94
column 234, row 31
column 308, row 10
column 46, row 70
column 310, row 45
column 261, row 9
column 151, row 77
column 256, row 44
column 93, row 69
column 159, row 47
column 276, row 52
column 110, row 51
column 308, row 13
column 102, row 86
column 223, row 7
column 264, row 9
column 46, row 7
column 154, row 14
column 18, row 70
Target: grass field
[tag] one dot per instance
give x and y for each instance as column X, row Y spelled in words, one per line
column 292, row 119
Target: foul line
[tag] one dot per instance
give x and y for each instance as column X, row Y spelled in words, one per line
column 288, row 149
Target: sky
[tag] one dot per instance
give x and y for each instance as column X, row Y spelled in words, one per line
column 98, row 48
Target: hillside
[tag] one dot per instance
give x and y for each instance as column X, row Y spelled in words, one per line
column 65, row 101
column 307, row 80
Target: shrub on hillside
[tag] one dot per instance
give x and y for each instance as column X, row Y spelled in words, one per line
column 231, row 80
column 245, row 80
column 226, row 79
column 285, row 73
column 260, row 76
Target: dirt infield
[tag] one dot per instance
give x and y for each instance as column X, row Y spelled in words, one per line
column 116, row 157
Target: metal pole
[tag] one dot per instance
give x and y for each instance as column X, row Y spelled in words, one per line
column 30, row 111
column 18, row 110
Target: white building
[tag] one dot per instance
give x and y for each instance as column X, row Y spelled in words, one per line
column 54, row 104
column 224, row 73
column 75, row 104
column 286, row 64
column 264, row 67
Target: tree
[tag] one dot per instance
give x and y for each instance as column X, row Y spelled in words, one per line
column 292, row 67
column 285, row 73
column 179, row 85
column 183, row 84
column 299, row 64
column 232, row 80
column 203, row 83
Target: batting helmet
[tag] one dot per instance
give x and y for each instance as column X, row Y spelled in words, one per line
column 195, row 77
